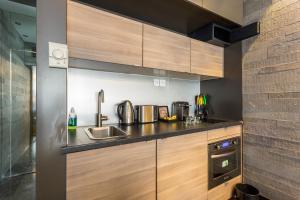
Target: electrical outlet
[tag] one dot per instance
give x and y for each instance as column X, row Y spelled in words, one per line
column 162, row 83
column 156, row 82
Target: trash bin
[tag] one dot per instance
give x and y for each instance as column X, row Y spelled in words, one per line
column 246, row 192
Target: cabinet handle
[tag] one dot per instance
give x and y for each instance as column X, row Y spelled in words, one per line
column 222, row 155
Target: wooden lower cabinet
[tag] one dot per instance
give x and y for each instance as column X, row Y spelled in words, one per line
column 225, row 190
column 113, row 173
column 175, row 168
column 182, row 167
column 224, row 133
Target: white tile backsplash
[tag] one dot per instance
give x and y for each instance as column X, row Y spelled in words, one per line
column 84, row 85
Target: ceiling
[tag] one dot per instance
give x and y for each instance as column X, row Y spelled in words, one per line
column 23, row 17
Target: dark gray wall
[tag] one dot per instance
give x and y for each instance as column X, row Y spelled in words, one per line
column 271, row 99
column 51, row 103
column 225, row 95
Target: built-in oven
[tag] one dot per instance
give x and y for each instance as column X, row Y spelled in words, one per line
column 224, row 161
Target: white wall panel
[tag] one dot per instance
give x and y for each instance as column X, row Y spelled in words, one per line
column 84, row 85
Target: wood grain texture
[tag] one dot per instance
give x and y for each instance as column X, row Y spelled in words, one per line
column 182, row 167
column 207, row 59
column 113, row 173
column 224, row 191
column 224, row 133
column 165, row 50
column 98, row 35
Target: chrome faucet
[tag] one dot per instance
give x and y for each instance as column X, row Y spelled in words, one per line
column 100, row 117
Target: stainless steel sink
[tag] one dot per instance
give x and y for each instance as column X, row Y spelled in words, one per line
column 106, row 132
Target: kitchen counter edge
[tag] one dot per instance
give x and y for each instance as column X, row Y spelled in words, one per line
column 116, row 142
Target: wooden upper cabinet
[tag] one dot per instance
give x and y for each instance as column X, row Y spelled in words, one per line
column 182, row 167
column 113, row 173
column 207, row 59
column 230, row 9
column 165, row 50
column 94, row 34
column 197, row 2
column 98, row 35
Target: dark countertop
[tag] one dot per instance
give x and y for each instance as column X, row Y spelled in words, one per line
column 140, row 132
column 260, row 198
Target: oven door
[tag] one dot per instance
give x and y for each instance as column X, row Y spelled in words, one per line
column 223, row 165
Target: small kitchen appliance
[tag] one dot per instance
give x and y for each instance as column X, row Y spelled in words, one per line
column 126, row 113
column 224, row 161
column 181, row 109
column 201, row 107
column 146, row 113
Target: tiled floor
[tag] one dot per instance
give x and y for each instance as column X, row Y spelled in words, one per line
column 18, row 188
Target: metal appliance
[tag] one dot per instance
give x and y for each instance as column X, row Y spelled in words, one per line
column 181, row 109
column 224, row 161
column 100, row 117
column 146, row 113
column 126, row 113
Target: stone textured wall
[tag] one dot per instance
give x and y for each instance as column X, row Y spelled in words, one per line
column 17, row 103
column 271, row 99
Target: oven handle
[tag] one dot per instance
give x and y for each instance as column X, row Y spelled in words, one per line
column 222, row 155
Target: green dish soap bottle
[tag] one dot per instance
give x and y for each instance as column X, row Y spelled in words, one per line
column 72, row 122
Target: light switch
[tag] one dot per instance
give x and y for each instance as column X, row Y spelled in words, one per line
column 58, row 55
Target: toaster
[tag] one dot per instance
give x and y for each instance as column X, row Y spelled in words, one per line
column 146, row 113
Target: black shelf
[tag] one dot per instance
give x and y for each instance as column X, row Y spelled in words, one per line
column 180, row 16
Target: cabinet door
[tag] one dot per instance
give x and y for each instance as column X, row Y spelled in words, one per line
column 113, row 173
column 98, row 35
column 182, row 167
column 197, row 2
column 165, row 50
column 207, row 59
column 230, row 9
column 224, row 133
column 225, row 190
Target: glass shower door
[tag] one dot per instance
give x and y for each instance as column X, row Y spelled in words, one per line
column 18, row 114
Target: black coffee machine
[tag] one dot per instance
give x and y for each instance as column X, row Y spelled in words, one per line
column 181, row 109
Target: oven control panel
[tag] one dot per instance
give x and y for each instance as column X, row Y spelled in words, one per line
column 226, row 144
